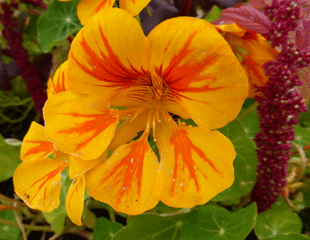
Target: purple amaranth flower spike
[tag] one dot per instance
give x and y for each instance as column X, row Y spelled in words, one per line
column 280, row 103
column 20, row 55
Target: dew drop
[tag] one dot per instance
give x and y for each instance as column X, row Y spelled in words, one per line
column 131, row 160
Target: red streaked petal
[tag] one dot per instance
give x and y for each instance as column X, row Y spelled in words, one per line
column 38, row 183
column 87, row 9
column 58, row 84
column 125, row 180
column 200, row 70
column 79, row 124
column 35, row 144
column 109, row 55
column 134, row 7
column 195, row 166
column 75, row 200
column 253, row 50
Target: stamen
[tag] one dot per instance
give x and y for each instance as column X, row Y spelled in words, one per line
column 168, row 119
column 154, row 121
column 138, row 112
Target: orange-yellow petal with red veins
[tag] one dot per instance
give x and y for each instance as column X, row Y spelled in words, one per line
column 129, row 130
column 189, row 55
column 108, row 56
column 253, row 50
column 79, row 166
column 35, row 144
column 59, row 82
column 75, row 200
column 79, row 124
column 125, row 180
column 195, row 166
column 38, row 183
column 134, row 7
column 88, row 8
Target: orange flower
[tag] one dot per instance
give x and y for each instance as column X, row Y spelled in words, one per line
column 253, row 51
column 88, row 8
column 38, row 179
column 117, row 75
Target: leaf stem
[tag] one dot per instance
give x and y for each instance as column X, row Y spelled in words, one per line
column 26, row 226
column 19, row 222
column 21, row 102
column 111, row 214
column 18, row 119
column 22, row 207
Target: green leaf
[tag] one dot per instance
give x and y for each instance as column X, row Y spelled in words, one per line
column 207, row 222
column 151, row 226
column 214, row 14
column 250, row 124
column 272, row 223
column 57, row 23
column 212, row 222
column 293, row 236
column 244, row 163
column 8, row 232
column 162, row 208
column 57, row 217
column 9, row 159
column 302, row 135
column 304, row 117
column 280, row 205
column 105, row 229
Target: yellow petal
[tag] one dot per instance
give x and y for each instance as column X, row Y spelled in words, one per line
column 200, row 70
column 38, row 183
column 125, row 180
column 75, row 200
column 79, row 124
column 109, row 55
column 79, row 166
column 35, row 144
column 86, row 8
column 59, row 82
column 129, row 130
column 134, row 7
column 195, row 166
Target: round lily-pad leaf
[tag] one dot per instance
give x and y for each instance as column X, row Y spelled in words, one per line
column 57, row 23
column 244, row 163
column 271, row 223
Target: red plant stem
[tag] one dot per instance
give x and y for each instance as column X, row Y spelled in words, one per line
column 14, row 45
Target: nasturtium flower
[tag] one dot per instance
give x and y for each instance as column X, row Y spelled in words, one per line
column 88, row 8
column 116, row 74
column 253, row 50
column 37, row 180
